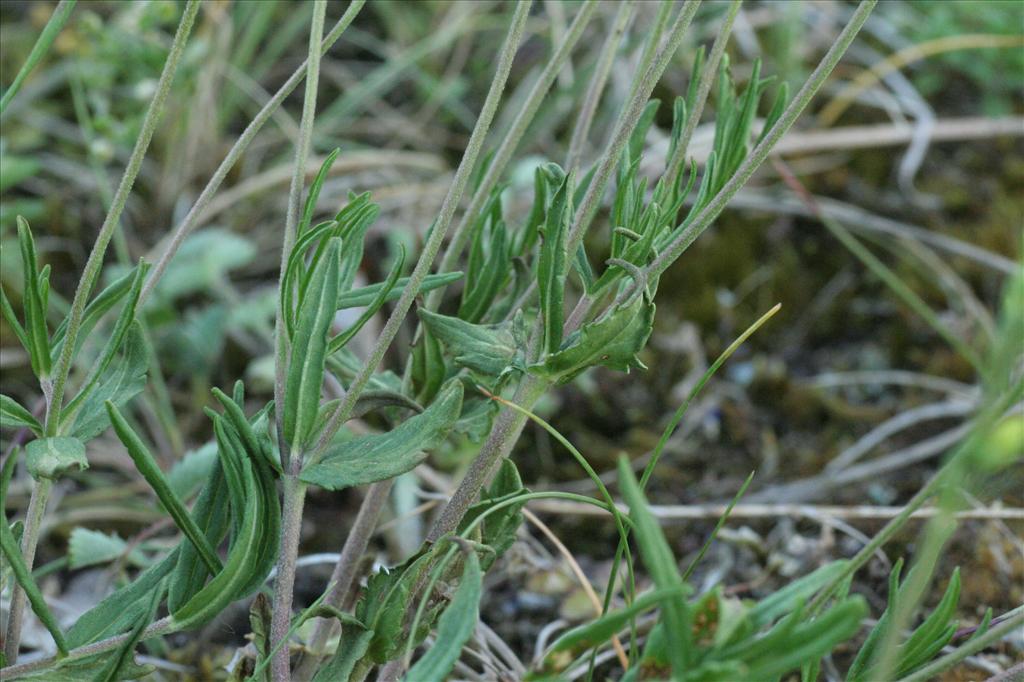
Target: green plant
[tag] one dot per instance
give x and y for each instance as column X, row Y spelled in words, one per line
column 473, row 375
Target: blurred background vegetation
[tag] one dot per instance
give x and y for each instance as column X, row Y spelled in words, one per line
column 925, row 163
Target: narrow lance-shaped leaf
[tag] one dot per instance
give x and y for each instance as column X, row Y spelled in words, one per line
column 22, row 574
column 314, row 191
column 35, row 311
column 119, row 384
column 379, row 457
column 341, row 340
column 150, row 471
column 603, row 628
column 309, row 348
column 454, row 628
column 554, row 260
column 117, row 336
column 12, row 320
column 364, row 296
column 663, row 569
column 13, row 415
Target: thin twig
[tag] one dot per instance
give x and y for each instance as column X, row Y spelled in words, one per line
column 669, row 513
column 598, row 80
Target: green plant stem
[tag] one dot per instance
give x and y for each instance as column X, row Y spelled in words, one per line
column 598, row 81
column 969, row 648
column 509, row 144
column 760, row 153
column 42, row 46
column 507, row 427
column 110, row 223
column 291, row 462
column 674, row 166
column 29, row 539
column 195, row 213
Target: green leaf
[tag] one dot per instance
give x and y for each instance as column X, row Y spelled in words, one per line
column 87, row 670
column 117, row 612
column 151, row 471
column 13, row 415
column 364, row 296
column 122, row 382
column 94, row 312
column 121, row 661
column 428, row 366
column 384, row 604
column 352, row 647
column 553, row 263
column 379, row 457
column 486, row 349
column 122, row 327
column 305, row 378
column 51, row 457
column 23, row 576
column 600, row 630
column 35, row 306
column 499, row 531
column 12, row 320
column 314, row 191
column 662, row 566
column 211, row 514
column 91, row 547
column 341, row 340
column 612, row 341
column 454, row 628
column 238, row 572
column 806, row 642
column 260, row 615
column 787, row 599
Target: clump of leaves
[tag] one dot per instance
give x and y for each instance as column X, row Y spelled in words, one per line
column 508, row 334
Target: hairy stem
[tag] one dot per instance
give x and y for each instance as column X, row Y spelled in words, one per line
column 29, row 539
column 191, row 219
column 597, row 82
column 294, row 490
column 291, row 532
column 157, row 629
